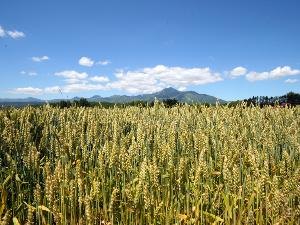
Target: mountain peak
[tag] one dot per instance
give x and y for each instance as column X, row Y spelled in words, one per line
column 32, row 99
column 168, row 91
column 96, row 96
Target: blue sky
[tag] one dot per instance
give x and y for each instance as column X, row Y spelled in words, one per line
column 229, row 49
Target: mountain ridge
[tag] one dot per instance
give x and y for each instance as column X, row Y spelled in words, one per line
column 167, row 93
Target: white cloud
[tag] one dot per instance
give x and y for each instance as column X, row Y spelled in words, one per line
column 274, row 74
column 13, row 34
column 72, row 74
column 28, row 91
column 147, row 80
column 179, row 76
column 99, row 79
column 52, row 90
column 104, row 62
column 64, row 89
column 150, row 79
column 284, row 71
column 153, row 79
column 16, row 34
column 40, row 59
column 30, row 73
column 238, row 71
column 75, row 81
column 85, row 61
column 83, row 87
column 291, row 81
column 2, row 32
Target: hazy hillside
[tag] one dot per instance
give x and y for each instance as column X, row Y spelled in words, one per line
column 167, row 93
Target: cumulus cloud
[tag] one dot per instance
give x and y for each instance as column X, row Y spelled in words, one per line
column 37, row 91
column 2, row 32
column 75, row 81
column 52, row 90
column 104, row 62
column 28, row 90
column 153, row 79
column 291, row 81
column 72, row 74
column 83, row 87
column 85, row 61
column 30, row 73
column 147, row 80
column 13, row 34
column 40, row 59
column 238, row 71
column 278, row 72
column 16, row 34
column 69, row 88
column 99, row 79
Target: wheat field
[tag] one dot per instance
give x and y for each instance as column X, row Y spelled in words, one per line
column 150, row 165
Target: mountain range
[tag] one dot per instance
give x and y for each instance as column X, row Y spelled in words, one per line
column 167, row 93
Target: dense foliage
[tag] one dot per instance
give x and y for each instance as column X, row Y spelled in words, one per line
column 83, row 102
column 150, row 165
column 290, row 98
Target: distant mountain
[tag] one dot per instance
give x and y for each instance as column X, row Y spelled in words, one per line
column 167, row 93
column 20, row 102
column 6, row 100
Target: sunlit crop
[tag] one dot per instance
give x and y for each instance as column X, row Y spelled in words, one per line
column 152, row 165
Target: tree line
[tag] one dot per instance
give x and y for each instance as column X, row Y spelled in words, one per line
column 83, row 102
column 290, row 98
